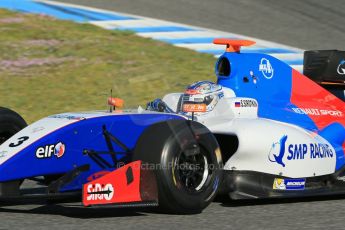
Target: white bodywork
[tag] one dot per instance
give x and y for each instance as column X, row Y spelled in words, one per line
column 305, row 154
column 300, row 153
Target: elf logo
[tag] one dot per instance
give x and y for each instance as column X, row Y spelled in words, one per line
column 48, row 151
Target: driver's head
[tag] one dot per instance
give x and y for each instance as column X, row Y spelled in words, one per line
column 203, row 95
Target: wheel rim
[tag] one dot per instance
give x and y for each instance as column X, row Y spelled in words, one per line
column 192, row 171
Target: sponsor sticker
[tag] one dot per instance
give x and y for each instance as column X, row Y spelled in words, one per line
column 59, row 150
column 266, row 68
column 66, row 116
column 47, row 151
column 318, row 112
column 194, row 108
column 100, row 192
column 246, row 103
column 281, row 152
column 37, row 129
column 289, row 184
column 341, row 67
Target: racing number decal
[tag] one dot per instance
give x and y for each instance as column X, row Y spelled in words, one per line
column 21, row 140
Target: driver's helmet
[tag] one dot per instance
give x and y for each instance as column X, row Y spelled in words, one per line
column 201, row 97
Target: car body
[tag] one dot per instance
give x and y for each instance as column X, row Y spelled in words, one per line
column 278, row 133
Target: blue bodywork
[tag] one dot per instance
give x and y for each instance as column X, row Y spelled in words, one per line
column 273, row 95
column 86, row 134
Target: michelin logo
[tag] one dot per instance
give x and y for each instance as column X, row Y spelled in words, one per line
column 288, row 184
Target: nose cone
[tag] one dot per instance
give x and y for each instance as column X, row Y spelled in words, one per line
column 31, row 134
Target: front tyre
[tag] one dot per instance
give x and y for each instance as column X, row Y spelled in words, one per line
column 186, row 159
column 10, row 123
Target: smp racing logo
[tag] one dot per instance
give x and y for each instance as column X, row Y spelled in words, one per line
column 100, row 192
column 48, row 151
column 282, row 153
column 266, row 68
column 277, row 151
column 341, row 68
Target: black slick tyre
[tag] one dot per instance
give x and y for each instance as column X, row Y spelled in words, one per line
column 186, row 159
column 10, row 123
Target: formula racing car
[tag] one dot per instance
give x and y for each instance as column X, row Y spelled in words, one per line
column 264, row 130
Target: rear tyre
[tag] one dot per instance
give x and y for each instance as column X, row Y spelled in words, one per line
column 10, row 123
column 186, row 159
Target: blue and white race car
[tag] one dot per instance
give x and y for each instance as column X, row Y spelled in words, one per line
column 264, row 130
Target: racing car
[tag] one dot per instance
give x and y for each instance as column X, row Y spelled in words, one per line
column 264, row 130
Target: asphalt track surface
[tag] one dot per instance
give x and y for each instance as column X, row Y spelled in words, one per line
column 280, row 214
column 308, row 24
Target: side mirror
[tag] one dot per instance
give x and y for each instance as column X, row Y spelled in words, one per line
column 116, row 102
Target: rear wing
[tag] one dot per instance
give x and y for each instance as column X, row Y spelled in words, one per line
column 327, row 68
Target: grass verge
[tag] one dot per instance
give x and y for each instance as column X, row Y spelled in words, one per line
column 50, row 66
